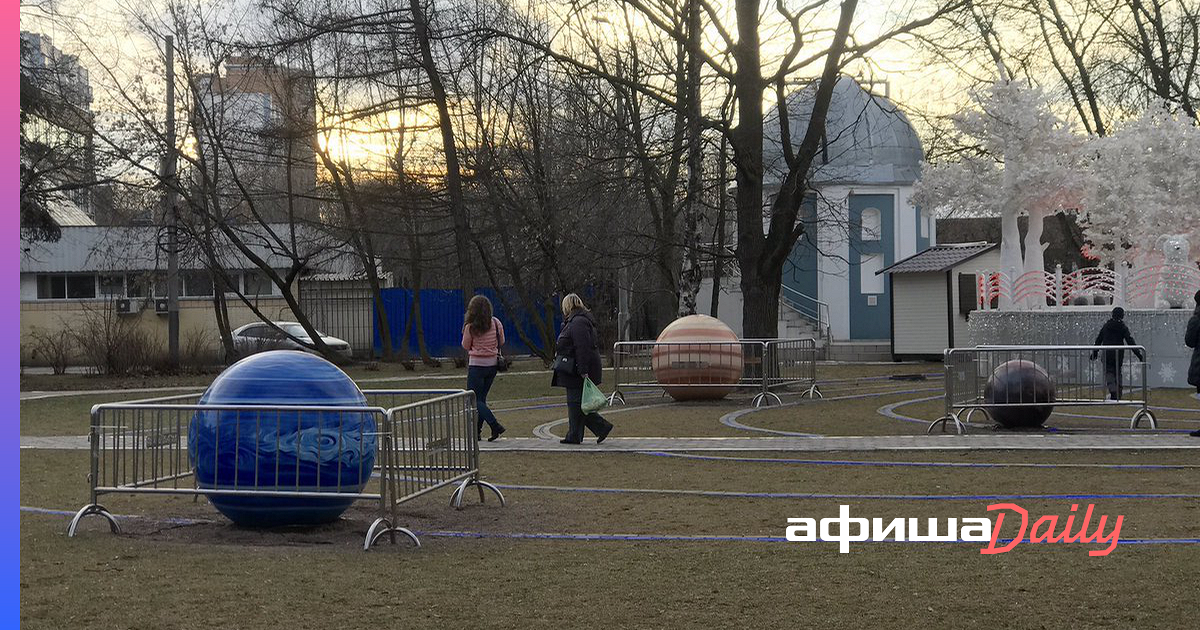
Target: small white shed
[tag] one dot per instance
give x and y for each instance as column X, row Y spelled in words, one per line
column 932, row 294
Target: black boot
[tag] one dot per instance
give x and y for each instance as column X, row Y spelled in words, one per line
column 497, row 429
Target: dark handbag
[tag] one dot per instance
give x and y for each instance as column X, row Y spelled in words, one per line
column 502, row 362
column 564, row 364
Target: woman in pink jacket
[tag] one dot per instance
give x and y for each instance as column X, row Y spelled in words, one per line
column 482, row 337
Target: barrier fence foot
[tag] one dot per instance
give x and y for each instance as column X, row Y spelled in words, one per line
column 766, row 397
column 383, row 526
column 971, row 414
column 1143, row 413
column 944, row 421
column 93, row 508
column 813, row 392
column 614, row 397
column 457, row 496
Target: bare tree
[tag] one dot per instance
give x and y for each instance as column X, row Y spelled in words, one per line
column 734, row 60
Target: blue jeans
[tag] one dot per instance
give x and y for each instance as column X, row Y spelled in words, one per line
column 479, row 380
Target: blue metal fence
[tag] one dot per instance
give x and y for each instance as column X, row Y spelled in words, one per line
column 442, row 319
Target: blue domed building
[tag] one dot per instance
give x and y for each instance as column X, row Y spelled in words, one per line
column 861, row 216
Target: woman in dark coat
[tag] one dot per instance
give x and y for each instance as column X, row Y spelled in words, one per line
column 577, row 341
column 1192, row 340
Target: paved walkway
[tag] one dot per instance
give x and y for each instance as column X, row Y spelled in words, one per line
column 794, row 444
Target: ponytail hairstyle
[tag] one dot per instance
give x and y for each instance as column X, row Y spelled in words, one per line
column 479, row 315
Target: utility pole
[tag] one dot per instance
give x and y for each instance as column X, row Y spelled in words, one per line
column 170, row 213
column 623, row 290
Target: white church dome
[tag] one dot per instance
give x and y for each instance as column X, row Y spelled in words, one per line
column 868, row 140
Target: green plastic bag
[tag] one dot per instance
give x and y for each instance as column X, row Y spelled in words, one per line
column 593, row 398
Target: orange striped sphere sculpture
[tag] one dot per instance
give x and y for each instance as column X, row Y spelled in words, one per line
column 698, row 371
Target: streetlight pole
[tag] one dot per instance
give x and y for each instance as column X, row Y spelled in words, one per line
column 170, row 213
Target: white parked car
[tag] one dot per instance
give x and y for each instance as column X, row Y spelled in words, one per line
column 259, row 336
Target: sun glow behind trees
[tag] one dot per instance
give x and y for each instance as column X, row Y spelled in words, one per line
column 111, row 39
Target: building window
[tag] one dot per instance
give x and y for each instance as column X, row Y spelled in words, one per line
column 870, row 282
column 197, row 283
column 51, row 287
column 139, row 285
column 257, row 282
column 872, row 222
column 112, row 286
column 924, row 221
column 81, row 287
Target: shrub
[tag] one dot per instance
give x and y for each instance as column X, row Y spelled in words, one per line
column 52, row 346
column 113, row 344
column 197, row 350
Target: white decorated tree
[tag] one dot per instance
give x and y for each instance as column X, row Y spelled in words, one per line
column 1027, row 160
column 1144, row 186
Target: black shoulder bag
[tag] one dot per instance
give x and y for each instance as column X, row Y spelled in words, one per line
column 502, row 362
column 564, row 364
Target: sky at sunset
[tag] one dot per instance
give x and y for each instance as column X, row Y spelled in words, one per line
column 116, row 51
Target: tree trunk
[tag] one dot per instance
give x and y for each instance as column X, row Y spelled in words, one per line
column 458, row 210
column 693, row 218
column 385, row 332
column 1035, row 259
column 759, row 315
column 760, row 256
column 357, row 224
column 760, row 304
column 414, row 319
column 719, row 255
column 420, row 326
column 1010, row 251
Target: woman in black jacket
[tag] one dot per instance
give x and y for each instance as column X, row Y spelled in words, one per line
column 1192, row 340
column 577, row 341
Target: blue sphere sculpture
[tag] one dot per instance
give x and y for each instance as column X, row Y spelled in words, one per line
column 307, row 451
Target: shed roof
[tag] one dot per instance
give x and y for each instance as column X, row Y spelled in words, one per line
column 940, row 258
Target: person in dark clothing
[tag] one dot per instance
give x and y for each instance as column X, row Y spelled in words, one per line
column 1114, row 332
column 1192, row 340
column 578, row 342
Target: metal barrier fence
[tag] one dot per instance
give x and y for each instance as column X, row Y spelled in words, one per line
column 426, row 445
column 1078, row 380
column 792, row 362
column 422, row 440
column 716, row 366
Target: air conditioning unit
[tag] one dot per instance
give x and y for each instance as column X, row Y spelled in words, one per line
column 161, row 306
column 124, row 307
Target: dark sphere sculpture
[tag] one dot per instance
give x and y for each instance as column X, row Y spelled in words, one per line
column 1026, row 390
column 288, row 451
